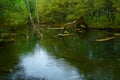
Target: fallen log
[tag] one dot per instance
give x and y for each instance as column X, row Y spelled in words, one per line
column 63, row 35
column 7, row 35
column 105, row 39
column 55, row 28
column 116, row 34
column 11, row 40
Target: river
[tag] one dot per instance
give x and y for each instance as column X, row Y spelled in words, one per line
column 76, row 57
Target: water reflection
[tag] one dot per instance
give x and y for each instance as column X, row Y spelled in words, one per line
column 76, row 57
column 40, row 64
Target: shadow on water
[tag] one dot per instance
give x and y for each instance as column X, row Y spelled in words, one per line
column 76, row 57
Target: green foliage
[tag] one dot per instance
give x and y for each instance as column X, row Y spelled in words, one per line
column 94, row 11
column 15, row 12
column 58, row 10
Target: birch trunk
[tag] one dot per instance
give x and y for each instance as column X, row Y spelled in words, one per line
column 37, row 13
column 39, row 35
column 30, row 16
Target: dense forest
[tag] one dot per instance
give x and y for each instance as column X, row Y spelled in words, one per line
column 18, row 14
column 97, row 13
column 102, row 12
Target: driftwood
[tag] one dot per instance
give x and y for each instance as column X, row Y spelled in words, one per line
column 81, row 31
column 76, row 24
column 116, row 34
column 7, row 40
column 63, row 35
column 36, row 29
column 7, row 35
column 104, row 39
column 56, row 28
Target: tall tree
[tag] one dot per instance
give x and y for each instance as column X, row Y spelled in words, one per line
column 30, row 15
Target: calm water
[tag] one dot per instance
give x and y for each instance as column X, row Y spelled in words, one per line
column 76, row 57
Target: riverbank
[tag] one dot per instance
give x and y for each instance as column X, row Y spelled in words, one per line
column 9, row 36
column 115, row 28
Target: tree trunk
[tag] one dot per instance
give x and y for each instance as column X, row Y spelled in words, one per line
column 37, row 13
column 30, row 16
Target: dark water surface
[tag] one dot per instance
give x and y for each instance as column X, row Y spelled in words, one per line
column 76, row 57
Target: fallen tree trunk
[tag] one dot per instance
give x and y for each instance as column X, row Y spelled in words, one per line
column 63, row 35
column 104, row 39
